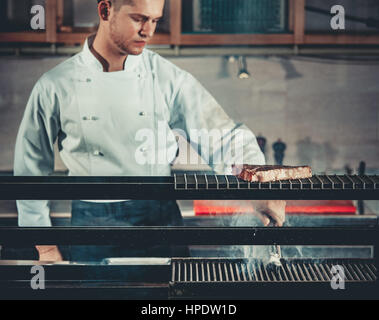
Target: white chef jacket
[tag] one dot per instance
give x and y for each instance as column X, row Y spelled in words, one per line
column 96, row 117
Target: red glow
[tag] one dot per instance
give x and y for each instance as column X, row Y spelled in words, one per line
column 212, row 208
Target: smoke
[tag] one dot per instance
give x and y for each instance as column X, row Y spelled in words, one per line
column 293, row 251
column 242, row 219
column 247, row 216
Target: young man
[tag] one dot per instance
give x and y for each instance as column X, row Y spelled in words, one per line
column 100, row 104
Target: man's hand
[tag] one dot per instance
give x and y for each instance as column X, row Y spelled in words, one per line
column 276, row 209
column 49, row 253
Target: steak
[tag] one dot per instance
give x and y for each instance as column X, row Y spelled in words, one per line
column 255, row 173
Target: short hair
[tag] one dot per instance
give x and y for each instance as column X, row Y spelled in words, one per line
column 119, row 3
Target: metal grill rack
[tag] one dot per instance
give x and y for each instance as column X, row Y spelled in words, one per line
column 322, row 182
column 223, row 270
column 319, row 186
column 189, row 186
column 232, row 278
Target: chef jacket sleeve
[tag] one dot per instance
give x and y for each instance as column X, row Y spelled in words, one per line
column 34, row 152
column 219, row 140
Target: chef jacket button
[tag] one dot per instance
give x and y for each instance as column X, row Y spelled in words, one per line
column 98, row 153
column 88, row 80
column 85, row 118
column 94, row 118
column 143, row 150
column 142, row 113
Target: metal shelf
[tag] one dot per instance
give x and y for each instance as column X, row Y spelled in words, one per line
column 187, row 187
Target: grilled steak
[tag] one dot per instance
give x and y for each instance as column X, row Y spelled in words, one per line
column 271, row 173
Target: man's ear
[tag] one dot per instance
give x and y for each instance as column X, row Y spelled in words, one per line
column 104, row 10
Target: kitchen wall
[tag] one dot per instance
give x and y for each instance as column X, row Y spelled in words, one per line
column 325, row 110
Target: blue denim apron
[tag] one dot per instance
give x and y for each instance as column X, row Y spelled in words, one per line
column 126, row 213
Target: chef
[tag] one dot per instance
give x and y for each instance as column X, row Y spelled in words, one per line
column 96, row 103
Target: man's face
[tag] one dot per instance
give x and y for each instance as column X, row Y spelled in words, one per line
column 131, row 28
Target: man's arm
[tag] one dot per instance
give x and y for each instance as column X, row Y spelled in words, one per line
column 220, row 141
column 34, row 153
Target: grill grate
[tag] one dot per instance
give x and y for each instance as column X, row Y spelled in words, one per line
column 218, row 270
column 321, row 182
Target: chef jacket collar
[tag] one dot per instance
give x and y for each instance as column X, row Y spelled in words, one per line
column 89, row 59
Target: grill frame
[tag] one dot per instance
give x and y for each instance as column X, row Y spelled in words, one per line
column 187, row 187
column 145, row 236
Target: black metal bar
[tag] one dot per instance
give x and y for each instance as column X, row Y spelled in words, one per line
column 88, row 290
column 76, row 188
column 14, row 270
column 376, row 250
column 179, row 188
column 147, row 236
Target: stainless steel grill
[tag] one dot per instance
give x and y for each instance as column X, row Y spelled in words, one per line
column 221, row 270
